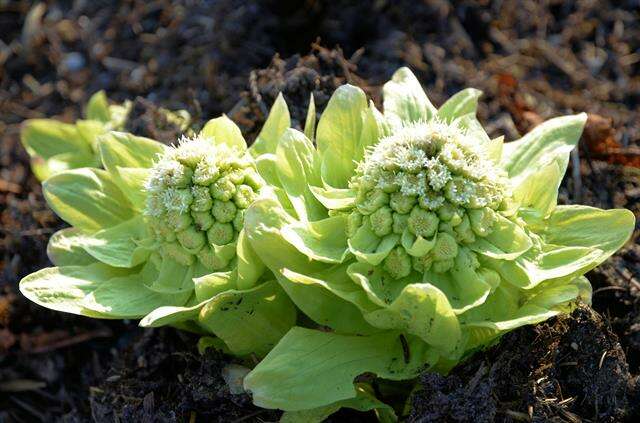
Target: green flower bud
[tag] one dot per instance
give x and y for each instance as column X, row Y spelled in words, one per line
column 446, row 227
column 223, row 189
column 447, row 211
column 354, row 221
column 454, row 157
column 211, row 260
column 191, row 238
column 178, row 253
column 253, row 179
column 431, row 201
column 446, row 247
column 220, row 233
column 388, row 183
column 422, row 264
column 402, row 203
column 482, row 221
column 381, row 221
column 178, row 221
column 464, row 232
column 180, row 177
column 202, row 220
column 466, row 259
column 206, row 172
column 400, row 222
column 422, row 223
column 244, row 196
column 459, row 190
column 236, row 176
column 238, row 221
column 224, row 211
column 177, row 199
column 372, row 201
column 201, row 199
column 397, row 263
column 442, row 265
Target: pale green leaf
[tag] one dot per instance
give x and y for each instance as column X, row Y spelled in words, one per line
column 98, row 107
column 323, row 240
column 539, row 189
column 127, row 244
column 338, row 135
column 277, row 122
column 297, row 167
column 46, row 168
column 87, row 198
column 173, row 315
column 335, row 198
column 506, row 241
column 173, row 278
column 584, row 226
column 250, row 267
column 405, row 100
column 251, row 321
column 461, row 103
column 223, row 130
column 365, row 400
column 127, row 297
column 420, row 309
column 46, row 138
column 91, row 131
column 65, row 248
column 263, row 222
column 212, row 284
column 310, row 121
column 551, row 140
column 368, row 247
column 119, row 149
column 310, row 368
column 64, row 288
column 132, row 182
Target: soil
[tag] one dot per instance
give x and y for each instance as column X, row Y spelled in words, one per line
column 533, row 60
column 571, row 368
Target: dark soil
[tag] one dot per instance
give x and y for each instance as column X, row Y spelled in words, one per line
column 532, row 59
column 179, row 385
column 567, row 369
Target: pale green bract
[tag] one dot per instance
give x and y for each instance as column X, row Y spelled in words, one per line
column 56, row 146
column 414, row 239
column 158, row 235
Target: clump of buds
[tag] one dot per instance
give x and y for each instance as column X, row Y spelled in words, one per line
column 428, row 181
column 197, row 194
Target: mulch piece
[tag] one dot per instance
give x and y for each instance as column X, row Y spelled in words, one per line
column 533, row 60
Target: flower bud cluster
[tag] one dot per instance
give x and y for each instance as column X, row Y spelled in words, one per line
column 433, row 181
column 196, row 196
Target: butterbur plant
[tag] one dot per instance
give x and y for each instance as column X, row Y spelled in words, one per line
column 412, row 239
column 348, row 258
column 159, row 235
column 57, row 146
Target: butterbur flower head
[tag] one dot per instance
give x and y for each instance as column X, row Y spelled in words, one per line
column 432, row 179
column 197, row 192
